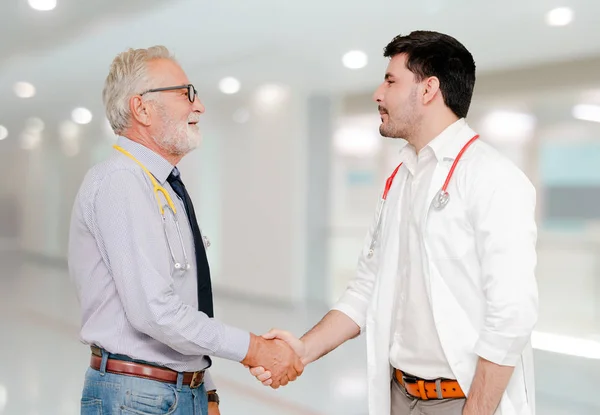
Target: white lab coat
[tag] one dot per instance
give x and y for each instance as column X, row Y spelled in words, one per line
column 479, row 267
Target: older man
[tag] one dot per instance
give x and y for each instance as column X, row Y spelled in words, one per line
column 138, row 258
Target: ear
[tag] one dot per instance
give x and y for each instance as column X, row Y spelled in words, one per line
column 431, row 87
column 140, row 110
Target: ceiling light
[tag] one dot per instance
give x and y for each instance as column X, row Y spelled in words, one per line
column 561, row 16
column 587, row 112
column 3, row 132
column 81, row 116
column 229, row 85
column 24, row 90
column 355, row 59
column 42, row 5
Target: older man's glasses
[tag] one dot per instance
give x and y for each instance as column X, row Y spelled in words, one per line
column 191, row 91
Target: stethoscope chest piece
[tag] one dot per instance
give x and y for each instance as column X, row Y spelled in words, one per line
column 181, row 267
column 441, row 199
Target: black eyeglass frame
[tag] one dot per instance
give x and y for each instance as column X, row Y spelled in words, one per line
column 192, row 92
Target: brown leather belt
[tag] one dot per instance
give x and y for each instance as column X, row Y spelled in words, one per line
column 430, row 389
column 161, row 374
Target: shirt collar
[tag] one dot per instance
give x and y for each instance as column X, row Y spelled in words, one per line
column 408, row 155
column 446, row 145
column 156, row 164
column 440, row 144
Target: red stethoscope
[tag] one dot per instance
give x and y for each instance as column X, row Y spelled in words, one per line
column 439, row 202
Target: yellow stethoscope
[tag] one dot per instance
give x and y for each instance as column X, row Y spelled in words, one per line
column 439, row 202
column 169, row 206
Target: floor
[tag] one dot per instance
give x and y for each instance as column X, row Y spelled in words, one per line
column 42, row 362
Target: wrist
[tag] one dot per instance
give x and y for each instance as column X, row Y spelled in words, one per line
column 250, row 359
column 309, row 354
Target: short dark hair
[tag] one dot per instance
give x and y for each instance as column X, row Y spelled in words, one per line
column 436, row 54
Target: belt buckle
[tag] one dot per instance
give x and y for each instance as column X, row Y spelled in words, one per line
column 409, row 379
column 195, row 382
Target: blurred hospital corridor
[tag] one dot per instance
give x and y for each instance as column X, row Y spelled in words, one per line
column 289, row 172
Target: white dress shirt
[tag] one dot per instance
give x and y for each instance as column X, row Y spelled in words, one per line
column 416, row 347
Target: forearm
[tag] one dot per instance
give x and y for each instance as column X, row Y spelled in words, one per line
column 189, row 331
column 332, row 331
column 488, row 386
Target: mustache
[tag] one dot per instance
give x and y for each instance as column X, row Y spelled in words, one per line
column 194, row 118
column 382, row 110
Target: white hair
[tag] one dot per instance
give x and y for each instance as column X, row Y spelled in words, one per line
column 126, row 78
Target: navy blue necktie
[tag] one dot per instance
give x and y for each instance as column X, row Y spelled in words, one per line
column 205, row 300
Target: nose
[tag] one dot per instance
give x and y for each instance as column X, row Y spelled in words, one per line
column 198, row 106
column 378, row 94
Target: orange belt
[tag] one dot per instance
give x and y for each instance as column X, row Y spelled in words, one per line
column 430, row 389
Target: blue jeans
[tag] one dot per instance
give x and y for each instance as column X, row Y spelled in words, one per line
column 107, row 393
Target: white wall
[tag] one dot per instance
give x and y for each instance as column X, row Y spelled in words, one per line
column 263, row 166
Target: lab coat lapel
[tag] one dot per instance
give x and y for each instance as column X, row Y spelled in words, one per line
column 390, row 248
column 379, row 318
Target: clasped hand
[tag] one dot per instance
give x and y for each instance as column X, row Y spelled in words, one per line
column 275, row 376
column 273, row 360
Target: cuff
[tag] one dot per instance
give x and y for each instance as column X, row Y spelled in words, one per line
column 354, row 308
column 501, row 349
column 236, row 344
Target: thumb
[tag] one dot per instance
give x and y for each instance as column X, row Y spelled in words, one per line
column 299, row 367
column 278, row 334
column 286, row 336
column 272, row 334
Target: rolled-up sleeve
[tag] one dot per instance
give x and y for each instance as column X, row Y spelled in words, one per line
column 137, row 257
column 503, row 214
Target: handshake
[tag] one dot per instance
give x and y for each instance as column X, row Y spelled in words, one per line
column 276, row 358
